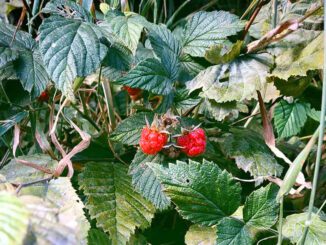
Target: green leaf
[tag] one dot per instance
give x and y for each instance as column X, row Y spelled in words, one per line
column 261, row 208
column 111, row 200
column 205, row 29
column 98, row 237
column 200, row 235
column 232, row 231
column 70, row 49
column 203, row 193
column 149, row 75
column 223, row 53
column 7, row 55
column 290, row 118
column 189, row 65
column 294, row 224
column 129, row 130
column 14, row 219
column 294, row 86
column 251, row 153
column 11, row 121
column 145, row 181
column 238, row 80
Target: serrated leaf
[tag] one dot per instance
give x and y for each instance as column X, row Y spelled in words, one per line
column 7, row 55
column 223, row 53
column 98, row 237
column 149, row 75
column 205, row 29
column 290, row 118
column 11, row 121
column 111, row 200
column 129, row 130
column 200, row 235
column 145, row 181
column 232, row 231
column 14, row 219
column 189, row 67
column 70, row 49
column 238, row 80
column 261, row 208
column 203, row 193
column 251, row 153
column 293, row 227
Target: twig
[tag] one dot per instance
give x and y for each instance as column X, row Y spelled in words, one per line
column 280, row 225
column 253, row 17
column 20, row 186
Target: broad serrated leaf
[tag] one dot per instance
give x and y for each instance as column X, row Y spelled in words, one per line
column 111, row 200
column 145, row 181
column 251, row 153
column 238, row 80
column 261, row 208
column 205, row 29
column 60, row 211
column 290, row 118
column 129, row 130
column 16, row 172
column 70, row 49
column 294, row 224
column 203, row 193
column 232, row 231
column 14, row 219
column 11, row 121
column 201, row 235
column 98, row 237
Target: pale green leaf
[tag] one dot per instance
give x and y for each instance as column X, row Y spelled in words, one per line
column 129, row 130
column 251, row 153
column 200, row 235
column 205, row 29
column 261, row 208
column 111, row 200
column 290, row 118
column 232, row 231
column 223, row 53
column 294, row 224
column 238, row 80
column 203, row 193
column 70, row 49
column 14, row 219
column 145, row 181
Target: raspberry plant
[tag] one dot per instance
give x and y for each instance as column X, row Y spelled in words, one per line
column 162, row 122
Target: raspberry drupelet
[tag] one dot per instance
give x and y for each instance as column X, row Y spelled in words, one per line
column 152, row 141
column 193, row 143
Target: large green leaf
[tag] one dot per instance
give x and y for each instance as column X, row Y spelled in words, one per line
column 203, row 193
column 111, row 200
column 251, row 153
column 145, row 181
column 70, row 49
column 261, row 208
column 290, row 118
column 205, row 29
column 14, row 219
column 294, row 224
column 24, row 59
column 232, row 231
column 129, row 130
column 238, row 80
column 201, row 235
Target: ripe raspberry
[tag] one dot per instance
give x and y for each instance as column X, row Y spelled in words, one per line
column 43, row 97
column 152, row 141
column 193, row 143
column 134, row 93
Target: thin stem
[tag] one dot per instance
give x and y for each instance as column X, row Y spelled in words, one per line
column 171, row 19
column 275, row 13
column 109, row 101
column 254, row 112
column 253, row 17
column 319, row 149
column 32, row 183
column 280, row 224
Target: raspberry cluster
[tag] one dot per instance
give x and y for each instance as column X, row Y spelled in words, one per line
column 193, row 143
column 134, row 93
column 152, row 141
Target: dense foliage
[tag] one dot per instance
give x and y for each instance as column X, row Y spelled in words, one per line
column 160, row 122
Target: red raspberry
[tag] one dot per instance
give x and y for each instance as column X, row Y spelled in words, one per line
column 134, row 93
column 193, row 143
column 43, row 97
column 152, row 141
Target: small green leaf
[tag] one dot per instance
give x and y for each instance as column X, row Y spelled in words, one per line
column 205, row 29
column 294, row 224
column 11, row 121
column 14, row 219
column 251, row 153
column 129, row 130
column 145, row 181
column 232, row 231
column 200, row 235
column 98, row 237
column 261, row 207
column 223, row 53
column 203, row 193
column 290, row 118
column 111, row 200
column 294, row 86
